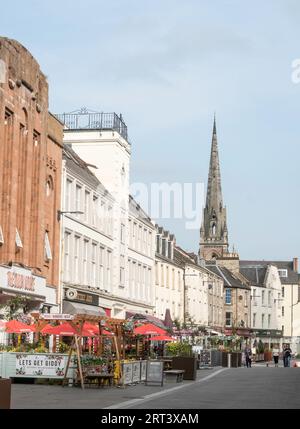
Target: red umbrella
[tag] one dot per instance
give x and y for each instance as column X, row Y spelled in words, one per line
column 94, row 329
column 65, row 329
column 149, row 329
column 15, row 327
column 161, row 338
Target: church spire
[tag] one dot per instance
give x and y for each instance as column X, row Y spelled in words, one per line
column 213, row 232
column 214, row 189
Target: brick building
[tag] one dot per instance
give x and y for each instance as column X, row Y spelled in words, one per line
column 30, row 181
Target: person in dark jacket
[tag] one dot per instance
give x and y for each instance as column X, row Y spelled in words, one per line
column 248, row 355
column 287, row 354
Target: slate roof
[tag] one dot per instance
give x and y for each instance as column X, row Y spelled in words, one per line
column 136, row 210
column 246, row 267
column 230, row 279
column 81, row 168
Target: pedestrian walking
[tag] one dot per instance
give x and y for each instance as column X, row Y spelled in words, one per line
column 248, row 355
column 287, row 354
column 276, row 356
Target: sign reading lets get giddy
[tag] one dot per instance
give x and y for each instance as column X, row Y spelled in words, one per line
column 40, row 365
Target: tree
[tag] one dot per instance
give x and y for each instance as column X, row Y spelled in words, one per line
column 12, row 307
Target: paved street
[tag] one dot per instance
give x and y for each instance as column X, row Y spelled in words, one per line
column 257, row 387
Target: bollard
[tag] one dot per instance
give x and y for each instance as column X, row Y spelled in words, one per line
column 5, row 393
column 229, row 360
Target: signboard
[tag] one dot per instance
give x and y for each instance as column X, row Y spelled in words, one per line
column 86, row 298
column 54, row 316
column 127, row 373
column 205, row 358
column 50, row 365
column 143, row 370
column 19, row 279
column 155, row 372
column 136, row 372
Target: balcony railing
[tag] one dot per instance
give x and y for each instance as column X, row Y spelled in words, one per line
column 85, row 119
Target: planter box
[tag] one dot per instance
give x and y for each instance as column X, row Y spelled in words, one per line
column 236, row 359
column 188, row 364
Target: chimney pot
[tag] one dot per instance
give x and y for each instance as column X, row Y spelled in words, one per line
column 295, row 265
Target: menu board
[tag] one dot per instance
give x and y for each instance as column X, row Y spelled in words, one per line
column 136, row 372
column 127, row 373
column 143, row 370
column 155, row 372
column 205, row 359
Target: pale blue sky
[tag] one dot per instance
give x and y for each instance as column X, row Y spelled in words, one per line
column 167, row 65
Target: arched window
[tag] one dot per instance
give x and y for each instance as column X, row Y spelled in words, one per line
column 49, row 186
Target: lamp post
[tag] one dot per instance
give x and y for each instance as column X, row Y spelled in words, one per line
column 60, row 214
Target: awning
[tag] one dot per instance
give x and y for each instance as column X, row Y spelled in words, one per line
column 77, row 308
column 146, row 317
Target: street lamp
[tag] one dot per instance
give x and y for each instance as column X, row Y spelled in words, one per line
column 60, row 213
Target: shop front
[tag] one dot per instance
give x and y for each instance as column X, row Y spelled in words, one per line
column 16, row 281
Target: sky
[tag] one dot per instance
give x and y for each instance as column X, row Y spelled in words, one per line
column 167, row 66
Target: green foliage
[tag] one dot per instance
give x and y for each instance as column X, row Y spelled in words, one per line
column 91, row 360
column 179, row 349
column 12, row 306
column 260, row 347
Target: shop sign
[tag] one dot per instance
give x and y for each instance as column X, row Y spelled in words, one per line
column 86, row 298
column 54, row 316
column 19, row 279
column 37, row 365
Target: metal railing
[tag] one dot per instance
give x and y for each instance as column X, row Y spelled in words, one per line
column 90, row 120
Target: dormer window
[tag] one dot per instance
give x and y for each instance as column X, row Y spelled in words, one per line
column 48, row 253
column 283, row 273
column 1, row 236
column 19, row 243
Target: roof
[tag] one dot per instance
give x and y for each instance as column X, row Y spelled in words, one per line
column 75, row 163
column 255, row 275
column 230, row 279
column 136, row 211
column 247, row 267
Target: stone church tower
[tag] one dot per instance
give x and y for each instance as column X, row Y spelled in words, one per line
column 213, row 232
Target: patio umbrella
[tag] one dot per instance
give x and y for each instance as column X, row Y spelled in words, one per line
column 149, row 329
column 15, row 327
column 94, row 329
column 161, row 338
column 65, row 329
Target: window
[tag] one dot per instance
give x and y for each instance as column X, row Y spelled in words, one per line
column 157, row 243
column 282, row 291
column 269, row 298
column 94, row 258
column 156, row 274
column 263, row 297
column 164, row 247
column 18, row 240
column 68, row 195
column 254, row 297
column 85, row 262
column 48, row 253
column 173, row 279
column 101, row 268
column 139, row 238
column 228, row 319
column 76, row 259
column 149, row 243
column 162, row 281
column 228, row 296
column 122, row 233
column 86, row 206
column 108, row 270
column 179, row 280
column 283, row 273
column 1, row 236
column 254, row 320
column 122, row 276
column 67, row 256
column 269, row 320
column 134, row 235
column 282, row 328
column 262, row 320
column 78, row 199
column 167, row 276
column 169, row 249
column 282, row 311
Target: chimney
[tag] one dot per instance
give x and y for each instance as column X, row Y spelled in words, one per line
column 295, row 265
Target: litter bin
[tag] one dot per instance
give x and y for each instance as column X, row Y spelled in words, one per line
column 5, row 393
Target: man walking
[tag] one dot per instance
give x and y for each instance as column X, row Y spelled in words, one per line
column 248, row 355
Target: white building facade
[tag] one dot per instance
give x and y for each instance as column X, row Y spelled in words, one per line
column 101, row 141
column 169, row 278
